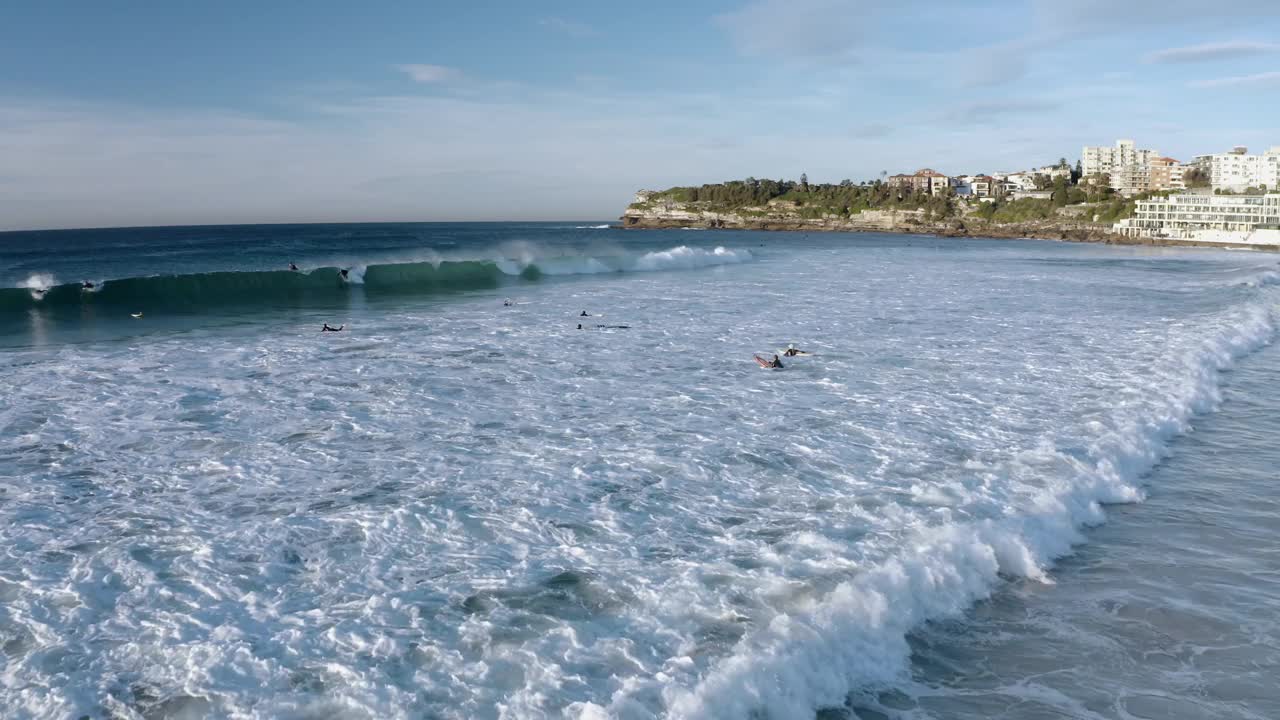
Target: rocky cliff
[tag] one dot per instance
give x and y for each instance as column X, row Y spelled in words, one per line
column 651, row 210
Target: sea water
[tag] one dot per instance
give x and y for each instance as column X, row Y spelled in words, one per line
column 1016, row 479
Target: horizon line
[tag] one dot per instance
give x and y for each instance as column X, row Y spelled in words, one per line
column 315, row 222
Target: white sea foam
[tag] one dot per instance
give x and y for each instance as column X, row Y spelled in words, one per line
column 856, row 635
column 38, row 283
column 685, row 257
column 470, row 511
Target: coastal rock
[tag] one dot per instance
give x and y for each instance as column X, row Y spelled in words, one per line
column 652, row 211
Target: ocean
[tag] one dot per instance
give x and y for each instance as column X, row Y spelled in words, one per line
column 1014, row 479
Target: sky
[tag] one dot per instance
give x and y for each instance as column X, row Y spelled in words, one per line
column 148, row 113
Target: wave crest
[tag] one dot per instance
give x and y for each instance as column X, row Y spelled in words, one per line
column 191, row 291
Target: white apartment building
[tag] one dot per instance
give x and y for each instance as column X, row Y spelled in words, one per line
column 1112, row 159
column 1182, row 216
column 1238, row 170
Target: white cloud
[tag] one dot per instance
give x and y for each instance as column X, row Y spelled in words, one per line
column 1266, row 79
column 429, row 74
column 1211, row 51
column 571, row 28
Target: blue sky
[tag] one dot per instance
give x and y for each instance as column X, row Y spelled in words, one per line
column 167, row 113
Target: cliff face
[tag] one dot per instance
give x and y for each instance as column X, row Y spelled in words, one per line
column 651, row 211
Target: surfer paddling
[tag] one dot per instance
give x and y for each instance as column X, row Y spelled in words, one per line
column 791, row 351
column 326, row 328
column 293, row 267
column 775, row 363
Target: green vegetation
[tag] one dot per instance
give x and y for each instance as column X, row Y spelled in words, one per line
column 754, row 198
column 1196, row 178
column 1016, row 210
column 805, row 199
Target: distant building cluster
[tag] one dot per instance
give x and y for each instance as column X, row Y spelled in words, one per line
column 1222, row 197
column 1028, row 183
column 1131, row 171
column 1238, row 170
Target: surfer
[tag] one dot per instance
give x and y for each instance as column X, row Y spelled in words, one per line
column 293, row 267
column 507, row 303
column 584, row 314
column 86, row 285
column 791, row 351
column 343, row 273
column 579, row 326
column 776, row 362
column 615, row 327
column 326, row 328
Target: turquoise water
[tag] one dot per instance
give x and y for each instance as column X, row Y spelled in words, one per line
column 1025, row 478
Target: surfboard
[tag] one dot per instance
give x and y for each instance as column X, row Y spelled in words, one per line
column 766, row 364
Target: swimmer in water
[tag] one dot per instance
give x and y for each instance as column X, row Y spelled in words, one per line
column 791, row 351
column 584, row 314
column 507, row 303
column 326, row 328
column 777, row 362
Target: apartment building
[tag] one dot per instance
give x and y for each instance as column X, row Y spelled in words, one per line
column 925, row 180
column 1110, row 159
column 1165, row 174
column 1182, row 216
column 1238, row 170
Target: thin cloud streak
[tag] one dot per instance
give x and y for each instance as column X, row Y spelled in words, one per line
column 1211, row 51
column 1266, row 79
column 572, row 28
column 429, row 74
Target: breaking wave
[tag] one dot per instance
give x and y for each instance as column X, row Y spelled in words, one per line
column 856, row 636
column 195, row 290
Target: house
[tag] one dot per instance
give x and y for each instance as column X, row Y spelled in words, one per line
column 925, row 180
column 984, row 186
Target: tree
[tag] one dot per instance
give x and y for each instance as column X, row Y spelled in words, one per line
column 1062, row 163
column 1077, row 173
column 804, row 182
column 1042, row 181
column 1060, row 191
column 1195, row 178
